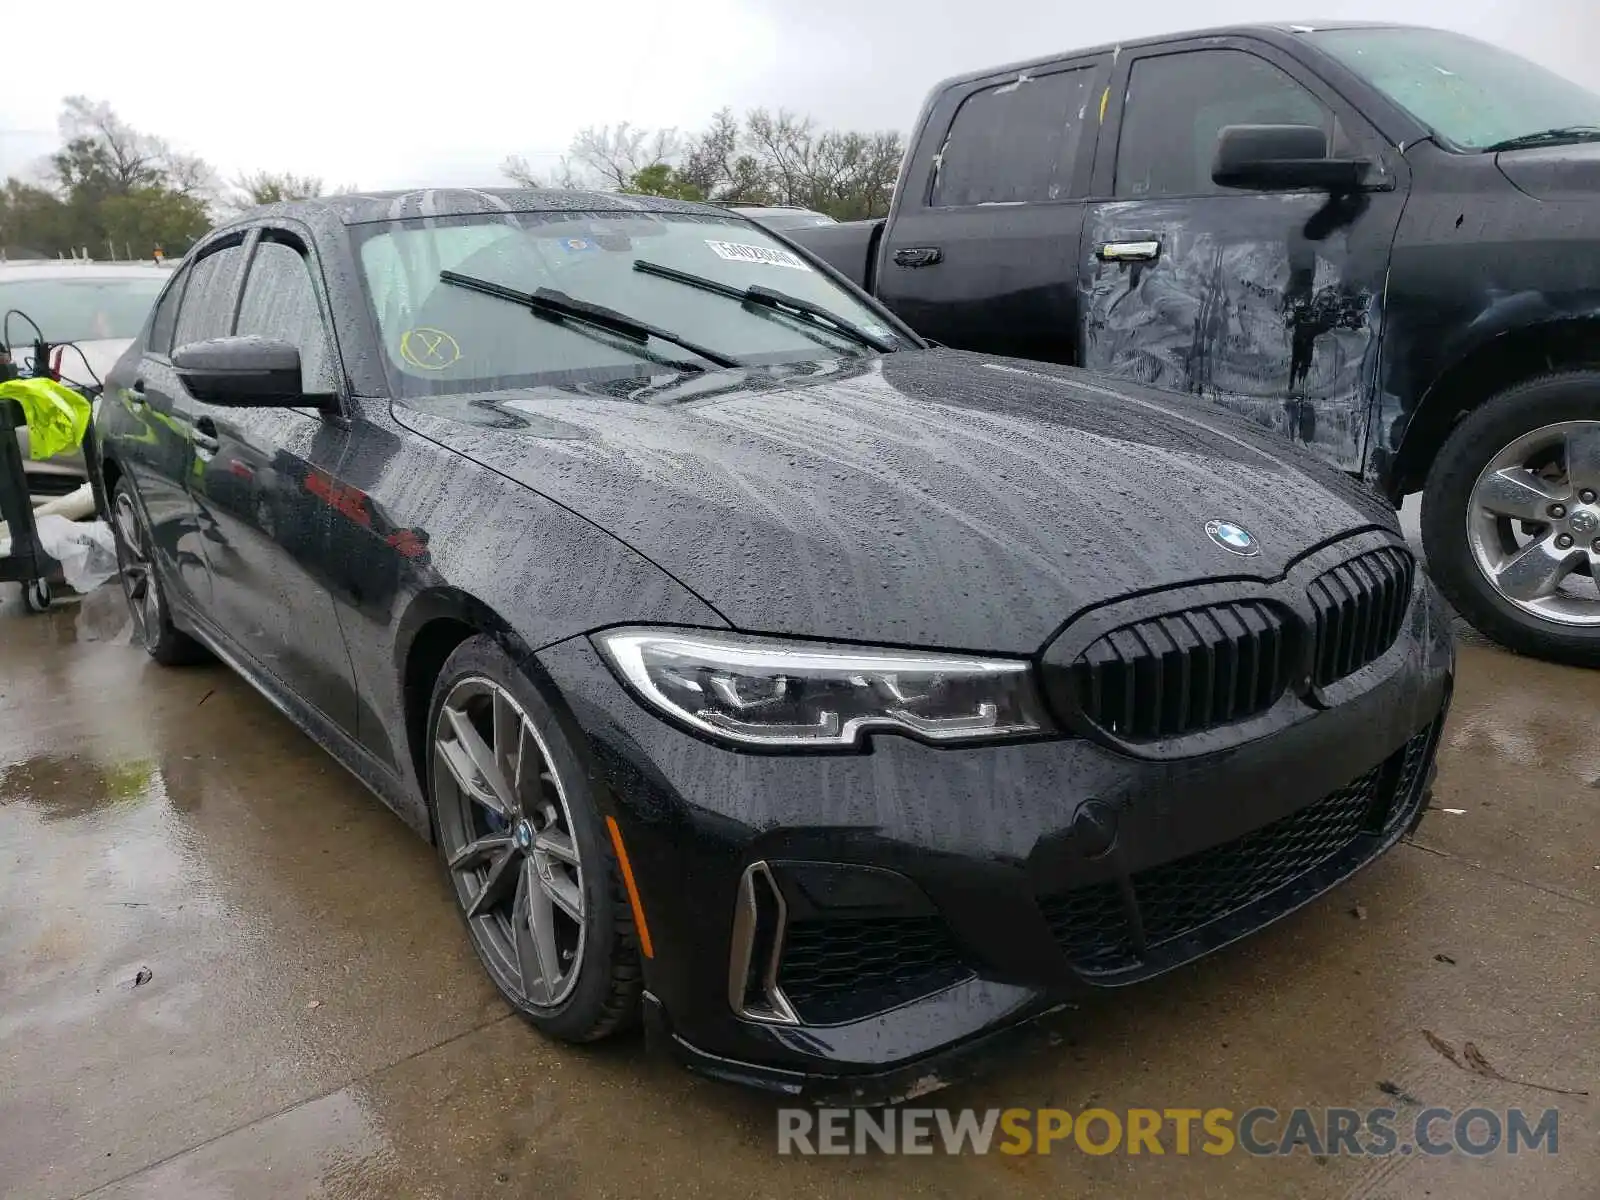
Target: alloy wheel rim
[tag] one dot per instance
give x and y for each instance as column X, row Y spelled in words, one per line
column 507, row 836
column 138, row 578
column 1533, row 523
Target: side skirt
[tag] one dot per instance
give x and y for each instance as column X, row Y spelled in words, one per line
column 344, row 750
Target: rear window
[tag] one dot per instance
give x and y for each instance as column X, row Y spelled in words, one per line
column 1014, row 143
column 443, row 338
column 82, row 310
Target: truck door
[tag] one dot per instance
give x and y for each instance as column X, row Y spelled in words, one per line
column 981, row 251
column 1270, row 302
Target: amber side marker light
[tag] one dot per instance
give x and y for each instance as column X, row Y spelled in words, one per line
column 633, row 888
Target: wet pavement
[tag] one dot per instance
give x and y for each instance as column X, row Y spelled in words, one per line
column 226, row 971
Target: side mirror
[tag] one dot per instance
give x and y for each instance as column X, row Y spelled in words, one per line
column 242, row 372
column 1283, row 158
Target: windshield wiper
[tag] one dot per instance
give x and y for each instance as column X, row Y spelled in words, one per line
column 1548, row 137
column 558, row 306
column 766, row 297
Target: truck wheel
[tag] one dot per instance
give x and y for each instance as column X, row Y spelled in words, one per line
column 1511, row 517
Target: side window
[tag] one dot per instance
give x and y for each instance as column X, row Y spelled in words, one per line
column 1014, row 142
column 207, row 304
column 1177, row 104
column 280, row 301
column 166, row 318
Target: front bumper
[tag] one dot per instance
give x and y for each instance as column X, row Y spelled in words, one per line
column 934, row 899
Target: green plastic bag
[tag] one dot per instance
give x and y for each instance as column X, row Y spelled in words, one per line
column 57, row 416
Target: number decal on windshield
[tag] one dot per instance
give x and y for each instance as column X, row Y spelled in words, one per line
column 767, row 255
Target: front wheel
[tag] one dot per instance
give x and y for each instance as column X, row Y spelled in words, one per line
column 526, row 851
column 1511, row 517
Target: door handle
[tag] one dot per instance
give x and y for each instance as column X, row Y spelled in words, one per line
column 918, row 256
column 138, row 398
column 205, row 435
column 1143, row 250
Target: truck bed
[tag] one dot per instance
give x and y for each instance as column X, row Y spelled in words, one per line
column 851, row 247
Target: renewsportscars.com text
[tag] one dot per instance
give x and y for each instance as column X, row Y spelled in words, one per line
column 1260, row 1131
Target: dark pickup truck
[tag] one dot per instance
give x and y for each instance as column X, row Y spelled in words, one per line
column 1383, row 242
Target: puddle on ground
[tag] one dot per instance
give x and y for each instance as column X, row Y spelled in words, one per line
column 61, row 788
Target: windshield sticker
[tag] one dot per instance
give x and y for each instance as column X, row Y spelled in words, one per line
column 429, row 349
column 577, row 245
column 740, row 252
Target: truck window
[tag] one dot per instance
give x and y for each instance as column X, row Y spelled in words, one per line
column 1015, row 142
column 1177, row 104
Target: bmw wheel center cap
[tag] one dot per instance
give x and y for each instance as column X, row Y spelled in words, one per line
column 1235, row 539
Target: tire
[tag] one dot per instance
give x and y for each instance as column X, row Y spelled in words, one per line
column 141, row 585
column 491, row 855
column 1466, row 535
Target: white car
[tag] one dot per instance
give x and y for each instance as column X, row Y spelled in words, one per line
column 99, row 307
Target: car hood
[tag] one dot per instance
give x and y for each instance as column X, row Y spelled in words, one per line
column 1554, row 172
column 100, row 354
column 921, row 498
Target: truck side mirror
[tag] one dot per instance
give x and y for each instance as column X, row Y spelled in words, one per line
column 1283, row 158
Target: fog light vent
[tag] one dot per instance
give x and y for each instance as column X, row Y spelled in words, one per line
column 759, row 918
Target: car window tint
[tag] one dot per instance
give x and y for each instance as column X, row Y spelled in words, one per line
column 280, row 301
column 166, row 318
column 207, row 304
column 1016, row 142
column 1177, row 104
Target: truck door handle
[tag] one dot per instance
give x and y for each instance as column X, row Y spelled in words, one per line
column 205, row 435
column 1144, row 250
column 918, row 256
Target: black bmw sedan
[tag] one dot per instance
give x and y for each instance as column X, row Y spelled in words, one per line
column 834, row 702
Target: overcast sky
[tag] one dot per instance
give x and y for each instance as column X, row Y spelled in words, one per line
column 395, row 95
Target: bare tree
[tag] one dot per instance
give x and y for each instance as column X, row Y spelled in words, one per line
column 617, row 154
column 516, row 169
column 563, row 175
column 101, row 147
column 269, row 187
column 127, row 158
column 190, row 175
column 770, row 158
column 709, row 157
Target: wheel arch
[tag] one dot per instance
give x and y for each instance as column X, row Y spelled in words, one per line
column 436, row 622
column 1570, row 343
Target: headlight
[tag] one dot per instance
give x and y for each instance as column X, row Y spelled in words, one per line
column 765, row 692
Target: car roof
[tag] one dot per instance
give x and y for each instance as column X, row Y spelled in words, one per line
column 66, row 269
column 1275, row 30
column 359, row 208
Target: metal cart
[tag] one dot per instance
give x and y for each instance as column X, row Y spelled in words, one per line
column 27, row 563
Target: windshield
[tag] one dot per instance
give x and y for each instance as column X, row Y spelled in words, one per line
column 80, row 310
column 443, row 337
column 1470, row 94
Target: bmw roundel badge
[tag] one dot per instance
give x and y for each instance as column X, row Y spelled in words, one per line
column 1233, row 538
